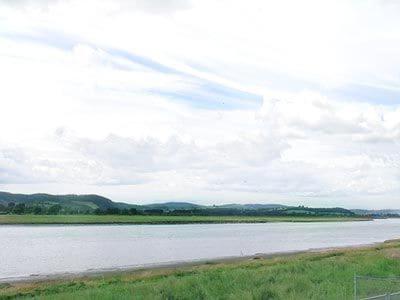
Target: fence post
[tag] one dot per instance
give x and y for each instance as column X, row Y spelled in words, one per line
column 355, row 287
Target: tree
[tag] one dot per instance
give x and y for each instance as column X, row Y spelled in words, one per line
column 113, row 211
column 98, row 211
column 133, row 211
column 37, row 210
column 19, row 209
column 54, row 209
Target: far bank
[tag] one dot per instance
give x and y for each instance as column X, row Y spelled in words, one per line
column 140, row 219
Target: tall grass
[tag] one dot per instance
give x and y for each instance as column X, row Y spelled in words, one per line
column 305, row 276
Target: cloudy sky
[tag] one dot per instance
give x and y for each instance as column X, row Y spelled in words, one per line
column 294, row 102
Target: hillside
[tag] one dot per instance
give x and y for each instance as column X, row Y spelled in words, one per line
column 251, row 206
column 69, row 203
column 95, row 204
column 173, row 206
column 378, row 213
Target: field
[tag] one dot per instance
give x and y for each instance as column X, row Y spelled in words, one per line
column 323, row 275
column 140, row 219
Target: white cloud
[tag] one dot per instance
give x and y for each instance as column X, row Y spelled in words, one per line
column 130, row 99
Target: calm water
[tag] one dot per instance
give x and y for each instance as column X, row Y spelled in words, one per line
column 27, row 250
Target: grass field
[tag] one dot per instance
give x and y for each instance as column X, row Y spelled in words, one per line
column 138, row 219
column 325, row 275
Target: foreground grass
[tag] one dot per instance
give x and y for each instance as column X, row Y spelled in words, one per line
column 138, row 219
column 327, row 275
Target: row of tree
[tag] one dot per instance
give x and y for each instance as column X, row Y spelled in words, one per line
column 56, row 209
column 116, row 211
column 21, row 208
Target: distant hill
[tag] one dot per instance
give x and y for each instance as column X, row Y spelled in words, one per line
column 78, row 204
column 68, row 202
column 172, row 206
column 251, row 206
column 377, row 212
column 92, row 202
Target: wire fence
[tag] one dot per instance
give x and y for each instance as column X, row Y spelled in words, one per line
column 376, row 288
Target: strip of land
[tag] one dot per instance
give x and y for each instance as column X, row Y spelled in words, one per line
column 143, row 219
column 318, row 274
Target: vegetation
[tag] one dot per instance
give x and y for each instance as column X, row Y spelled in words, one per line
column 324, row 275
column 57, row 204
column 378, row 213
column 44, row 204
column 165, row 219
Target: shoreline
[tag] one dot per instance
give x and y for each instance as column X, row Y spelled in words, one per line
column 176, row 223
column 67, row 220
column 177, row 265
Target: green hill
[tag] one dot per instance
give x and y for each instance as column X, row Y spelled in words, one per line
column 251, row 206
column 69, row 203
column 378, row 213
column 168, row 206
column 95, row 204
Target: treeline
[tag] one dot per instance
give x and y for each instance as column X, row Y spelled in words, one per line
column 286, row 211
column 56, row 209
column 22, row 208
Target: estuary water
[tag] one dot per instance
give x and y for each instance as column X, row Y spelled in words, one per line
column 43, row 250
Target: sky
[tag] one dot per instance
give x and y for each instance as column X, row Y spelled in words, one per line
column 212, row 102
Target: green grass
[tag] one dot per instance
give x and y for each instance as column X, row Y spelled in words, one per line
column 326, row 275
column 117, row 219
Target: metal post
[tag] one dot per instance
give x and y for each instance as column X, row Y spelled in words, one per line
column 355, row 287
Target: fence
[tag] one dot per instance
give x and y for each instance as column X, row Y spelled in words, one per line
column 376, row 288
